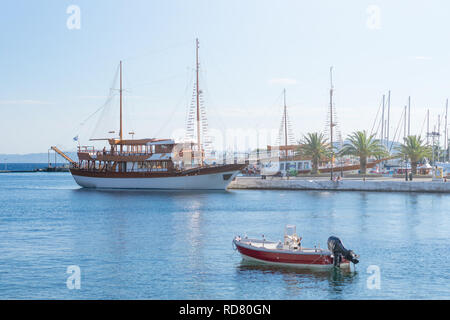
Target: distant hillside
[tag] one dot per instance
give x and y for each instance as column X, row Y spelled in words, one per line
column 35, row 157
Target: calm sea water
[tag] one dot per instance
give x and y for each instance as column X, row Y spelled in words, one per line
column 177, row 245
column 25, row 166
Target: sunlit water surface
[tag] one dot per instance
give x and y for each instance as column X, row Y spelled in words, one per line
column 177, row 245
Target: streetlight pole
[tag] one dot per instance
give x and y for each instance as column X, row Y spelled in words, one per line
column 404, row 137
column 406, row 168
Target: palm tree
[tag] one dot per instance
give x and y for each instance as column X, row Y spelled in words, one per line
column 315, row 146
column 415, row 150
column 362, row 145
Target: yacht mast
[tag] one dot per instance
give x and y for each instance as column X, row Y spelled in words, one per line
column 428, row 126
column 198, row 102
column 331, row 120
column 388, row 118
column 285, row 125
column 409, row 115
column 121, row 128
column 382, row 122
column 446, row 131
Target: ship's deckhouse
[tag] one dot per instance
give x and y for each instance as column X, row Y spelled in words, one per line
column 143, row 155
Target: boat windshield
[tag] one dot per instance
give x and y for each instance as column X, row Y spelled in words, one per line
column 290, row 230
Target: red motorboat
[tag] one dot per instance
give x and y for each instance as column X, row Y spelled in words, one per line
column 291, row 252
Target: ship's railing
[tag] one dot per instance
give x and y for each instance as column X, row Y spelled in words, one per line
column 118, row 153
column 107, row 152
column 114, row 153
column 86, row 148
column 109, row 169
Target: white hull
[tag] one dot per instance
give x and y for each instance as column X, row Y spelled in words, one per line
column 213, row 181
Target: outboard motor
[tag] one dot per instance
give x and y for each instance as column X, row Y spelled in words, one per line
column 338, row 250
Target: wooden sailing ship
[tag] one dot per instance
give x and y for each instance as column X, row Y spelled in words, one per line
column 151, row 163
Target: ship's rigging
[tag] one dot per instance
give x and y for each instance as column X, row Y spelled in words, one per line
column 196, row 133
column 285, row 134
column 196, row 120
column 332, row 128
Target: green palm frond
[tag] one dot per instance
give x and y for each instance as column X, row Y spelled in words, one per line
column 315, row 146
column 414, row 149
column 360, row 144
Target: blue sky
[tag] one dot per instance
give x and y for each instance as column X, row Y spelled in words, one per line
column 53, row 78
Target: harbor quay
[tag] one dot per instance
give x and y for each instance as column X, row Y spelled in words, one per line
column 380, row 184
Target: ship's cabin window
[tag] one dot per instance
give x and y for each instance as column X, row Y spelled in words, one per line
column 290, row 166
column 152, row 165
column 163, row 148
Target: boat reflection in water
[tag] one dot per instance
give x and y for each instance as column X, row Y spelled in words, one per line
column 298, row 281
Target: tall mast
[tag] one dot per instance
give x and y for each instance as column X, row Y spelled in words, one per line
column 331, row 120
column 438, row 136
column 428, row 126
column 388, row 117
column 409, row 115
column 121, row 128
column 198, row 101
column 446, row 131
column 432, row 138
column 285, row 124
column 382, row 121
column 404, row 129
column 404, row 138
